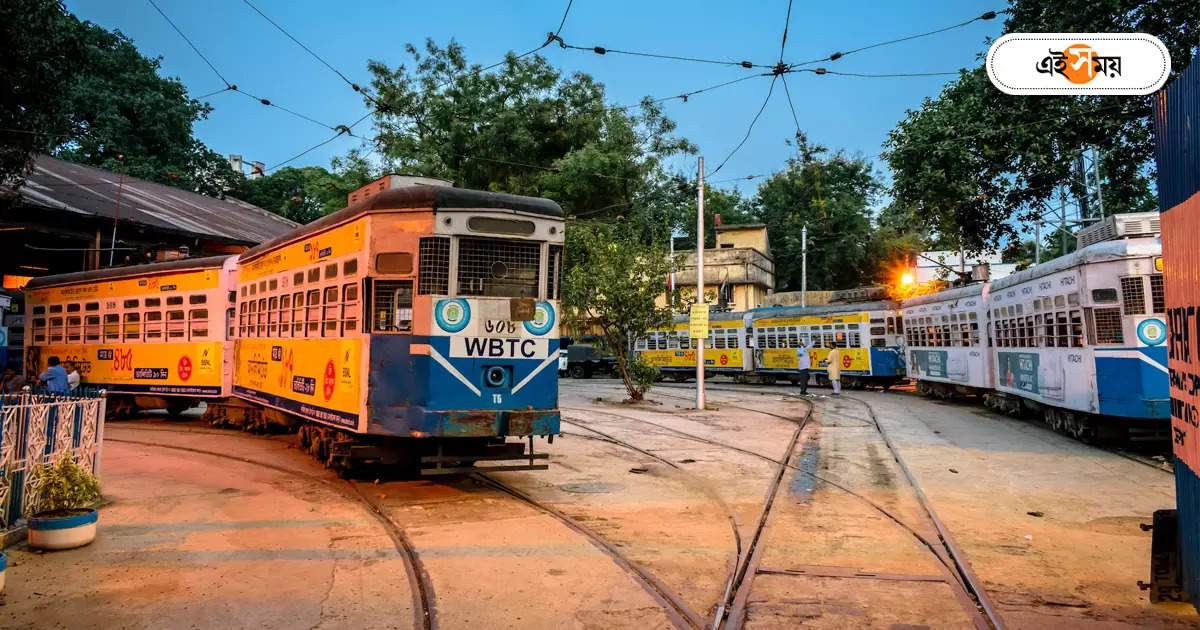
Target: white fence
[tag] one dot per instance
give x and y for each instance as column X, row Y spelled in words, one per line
column 36, row 429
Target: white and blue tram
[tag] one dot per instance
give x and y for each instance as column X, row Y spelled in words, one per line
column 946, row 336
column 1081, row 339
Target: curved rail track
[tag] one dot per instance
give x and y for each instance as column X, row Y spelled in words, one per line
column 424, row 609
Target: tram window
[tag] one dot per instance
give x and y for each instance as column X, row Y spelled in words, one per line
column 73, row 308
column 1031, row 330
column 273, row 285
column 112, row 326
column 230, row 314
column 891, row 326
column 262, row 317
column 394, row 263
column 733, row 341
column 350, row 307
column 1048, row 331
column 253, row 289
column 854, row 338
column 1073, row 299
column 878, row 342
column 350, row 267
column 314, row 275
column 1107, row 326
column 153, row 325
column 434, row 266
column 974, row 334
column 878, row 330
column 391, row 306
column 297, row 314
column 285, row 315
column 876, row 320
column 57, row 308
column 175, row 300
column 56, row 327
column 242, row 309
column 39, row 310
column 74, row 327
column 95, row 306
column 1037, row 305
column 198, row 323
column 840, row 339
column 1133, row 295
column 900, row 323
column 251, row 318
column 262, row 286
column 554, row 272
column 39, row 327
column 298, row 278
column 498, row 268
column 153, row 302
column 132, row 327
column 1076, row 329
column 1064, row 331
column 91, row 328
column 1047, row 304
column 312, row 314
column 273, row 317
column 793, row 338
column 330, row 312
column 331, row 271
column 243, row 291
column 128, row 304
column 1158, row 296
column 176, row 325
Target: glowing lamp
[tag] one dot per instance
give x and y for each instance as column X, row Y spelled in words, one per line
column 906, row 279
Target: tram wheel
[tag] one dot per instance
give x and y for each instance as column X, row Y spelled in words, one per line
column 305, row 438
column 679, row 377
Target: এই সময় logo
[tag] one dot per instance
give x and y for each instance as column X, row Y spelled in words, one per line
column 1079, row 64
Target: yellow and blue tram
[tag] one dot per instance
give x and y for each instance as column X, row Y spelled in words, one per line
column 417, row 325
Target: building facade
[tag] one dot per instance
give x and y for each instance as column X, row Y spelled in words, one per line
column 739, row 273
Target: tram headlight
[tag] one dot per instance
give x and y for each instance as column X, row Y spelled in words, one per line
column 497, row 376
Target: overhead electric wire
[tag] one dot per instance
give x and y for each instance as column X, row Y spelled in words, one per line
column 341, row 130
column 790, row 105
column 988, row 15
column 786, row 22
column 601, row 50
column 749, row 129
column 189, row 42
column 897, row 74
column 686, row 95
column 268, row 103
column 214, row 93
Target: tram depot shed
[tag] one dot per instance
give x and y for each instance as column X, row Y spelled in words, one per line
column 61, row 221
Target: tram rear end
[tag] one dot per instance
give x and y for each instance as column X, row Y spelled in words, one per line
column 463, row 344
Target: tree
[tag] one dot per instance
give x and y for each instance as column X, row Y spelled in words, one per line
column 974, row 158
column 833, row 197
column 85, row 94
column 612, row 283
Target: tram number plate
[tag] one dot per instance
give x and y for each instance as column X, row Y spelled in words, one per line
column 498, row 348
column 500, row 327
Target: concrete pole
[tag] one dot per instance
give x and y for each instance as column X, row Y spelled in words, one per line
column 116, row 217
column 700, row 286
column 804, row 266
column 1062, row 222
column 1037, row 242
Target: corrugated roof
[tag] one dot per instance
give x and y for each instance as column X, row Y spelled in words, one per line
column 92, row 191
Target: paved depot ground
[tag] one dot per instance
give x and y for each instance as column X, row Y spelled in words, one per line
column 193, row 540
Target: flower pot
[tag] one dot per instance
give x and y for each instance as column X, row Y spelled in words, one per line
column 52, row 531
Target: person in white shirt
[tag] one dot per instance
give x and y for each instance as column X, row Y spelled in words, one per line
column 72, row 377
column 803, row 363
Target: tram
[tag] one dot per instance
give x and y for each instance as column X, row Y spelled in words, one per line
column 947, row 342
column 674, row 353
column 419, row 325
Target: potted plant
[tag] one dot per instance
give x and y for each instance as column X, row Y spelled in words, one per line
column 66, row 520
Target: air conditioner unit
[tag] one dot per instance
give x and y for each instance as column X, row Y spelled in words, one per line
column 1129, row 225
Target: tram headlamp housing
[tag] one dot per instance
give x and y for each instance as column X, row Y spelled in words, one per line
column 497, row 376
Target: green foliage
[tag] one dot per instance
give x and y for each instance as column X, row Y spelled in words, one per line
column 85, row 94
column 1012, row 152
column 505, row 130
column 642, row 375
column 612, row 283
column 66, row 485
column 307, row 193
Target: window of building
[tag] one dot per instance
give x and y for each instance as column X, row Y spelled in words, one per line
column 132, row 328
column 312, row 315
column 350, row 307
column 434, row 273
column 1158, row 295
column 391, row 307
column 176, row 325
column 1133, row 295
column 154, row 325
column 1107, row 324
column 198, row 323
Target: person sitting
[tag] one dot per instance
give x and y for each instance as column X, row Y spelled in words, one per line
column 73, row 377
column 54, row 379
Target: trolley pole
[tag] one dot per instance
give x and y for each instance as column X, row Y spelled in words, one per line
column 804, row 266
column 700, row 286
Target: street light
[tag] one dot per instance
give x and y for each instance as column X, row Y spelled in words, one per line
column 906, row 279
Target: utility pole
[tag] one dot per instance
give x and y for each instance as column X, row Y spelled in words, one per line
column 804, row 266
column 1037, row 241
column 1062, row 222
column 1096, row 172
column 700, row 286
column 117, row 214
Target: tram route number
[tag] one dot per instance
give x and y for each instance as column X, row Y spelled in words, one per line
column 304, row 385
column 500, row 327
column 498, row 348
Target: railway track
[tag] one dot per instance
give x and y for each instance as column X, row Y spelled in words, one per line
column 424, row 600
column 968, row 590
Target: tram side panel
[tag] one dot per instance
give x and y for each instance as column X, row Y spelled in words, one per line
column 947, row 340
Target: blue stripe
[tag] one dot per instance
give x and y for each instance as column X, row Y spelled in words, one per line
column 66, row 522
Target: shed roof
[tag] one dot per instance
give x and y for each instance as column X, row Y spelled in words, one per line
column 86, row 190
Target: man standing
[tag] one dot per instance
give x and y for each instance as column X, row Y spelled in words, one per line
column 803, row 364
column 834, row 367
column 72, row 377
column 55, row 377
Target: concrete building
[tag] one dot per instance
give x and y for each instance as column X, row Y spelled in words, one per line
column 739, row 273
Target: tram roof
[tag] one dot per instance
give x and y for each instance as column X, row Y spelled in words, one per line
column 414, row 197
column 800, row 311
column 721, row 316
column 1106, row 251
column 956, row 293
column 130, row 271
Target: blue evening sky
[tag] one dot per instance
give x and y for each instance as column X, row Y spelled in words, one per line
column 847, row 113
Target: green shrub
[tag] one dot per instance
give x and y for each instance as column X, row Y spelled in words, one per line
column 641, row 374
column 66, row 485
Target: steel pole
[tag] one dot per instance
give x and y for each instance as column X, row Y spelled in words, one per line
column 116, row 217
column 700, row 286
column 804, row 265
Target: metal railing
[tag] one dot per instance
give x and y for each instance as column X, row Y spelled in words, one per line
column 36, row 429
